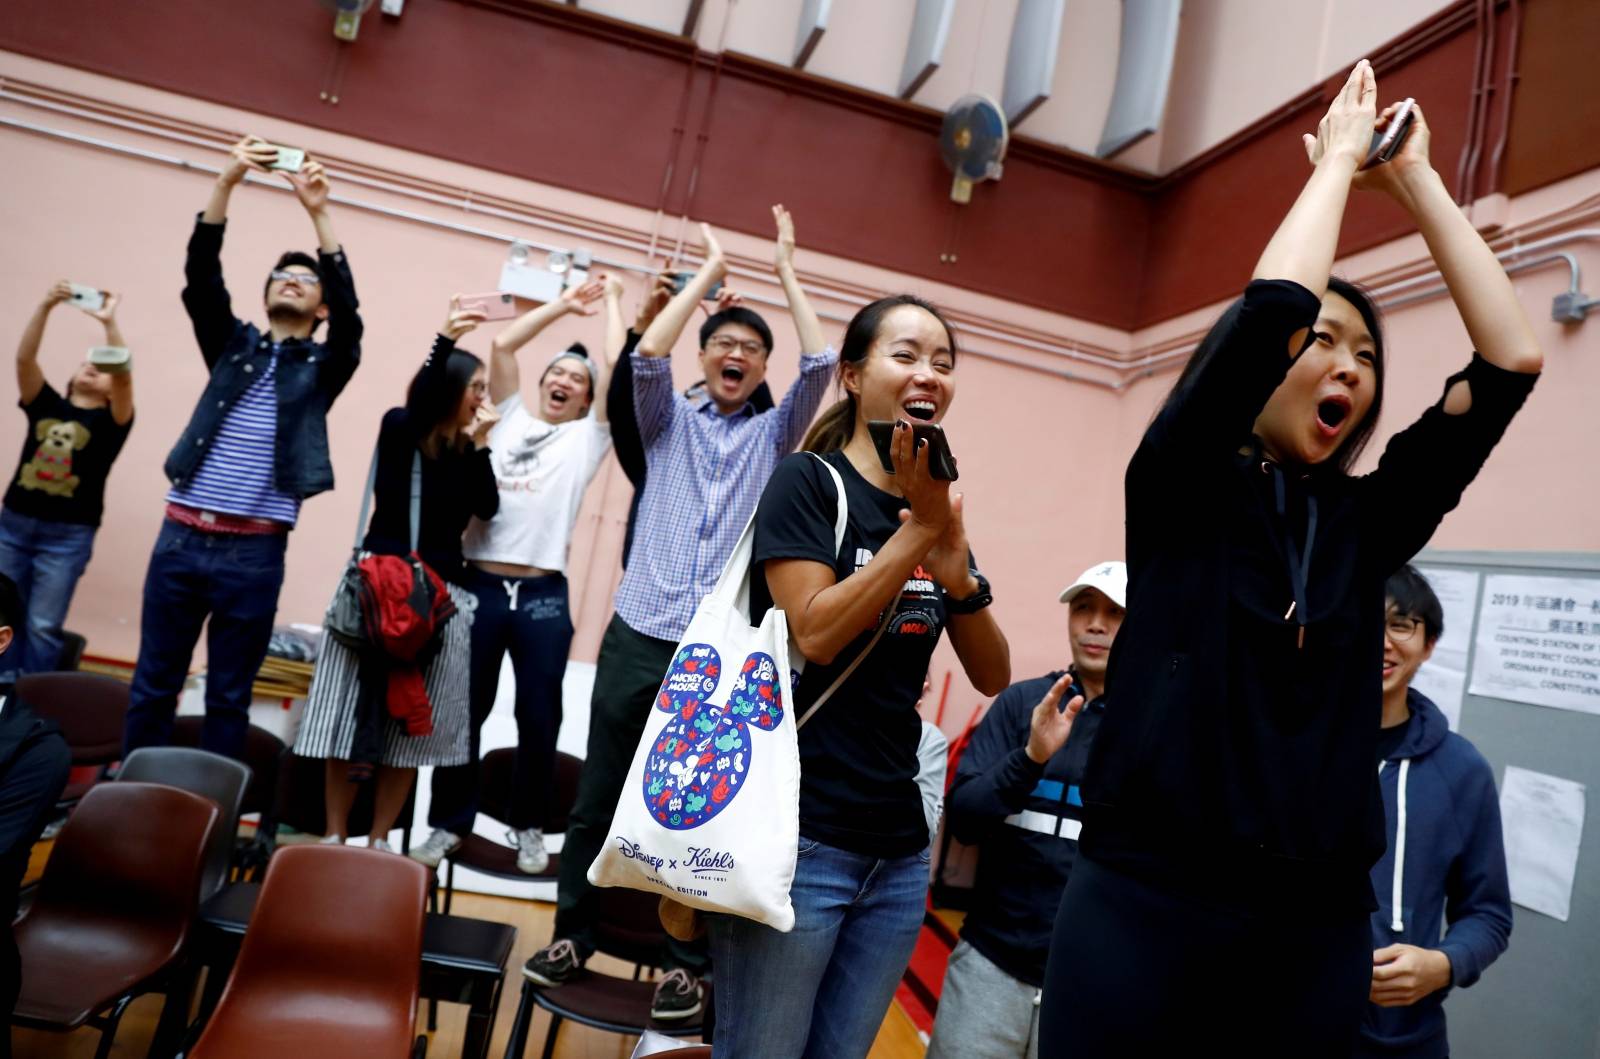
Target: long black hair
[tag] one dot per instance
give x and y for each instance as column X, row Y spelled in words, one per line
column 1345, row 455
column 833, row 428
column 434, row 407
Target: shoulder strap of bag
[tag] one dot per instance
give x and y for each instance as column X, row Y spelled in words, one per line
column 840, row 520
column 416, row 496
column 372, row 485
column 366, row 500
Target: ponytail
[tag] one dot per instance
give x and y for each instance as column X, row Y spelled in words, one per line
column 833, row 428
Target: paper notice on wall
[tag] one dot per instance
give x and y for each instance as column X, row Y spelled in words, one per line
column 1539, row 641
column 1542, row 817
column 1443, row 678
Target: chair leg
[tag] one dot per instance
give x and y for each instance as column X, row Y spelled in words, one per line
column 517, row 1040
column 108, row 1026
column 433, row 1014
column 550, row 1037
column 449, row 883
column 174, row 1013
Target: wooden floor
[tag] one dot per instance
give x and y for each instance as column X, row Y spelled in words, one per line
column 898, row 1039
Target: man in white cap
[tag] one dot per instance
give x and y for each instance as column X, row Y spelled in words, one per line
column 1016, row 797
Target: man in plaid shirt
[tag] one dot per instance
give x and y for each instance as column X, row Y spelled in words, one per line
column 709, row 457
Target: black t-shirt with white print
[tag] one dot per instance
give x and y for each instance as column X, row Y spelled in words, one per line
column 858, row 753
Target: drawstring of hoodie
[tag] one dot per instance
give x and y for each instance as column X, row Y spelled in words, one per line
column 1396, row 921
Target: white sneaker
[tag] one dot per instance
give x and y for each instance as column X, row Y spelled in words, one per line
column 331, row 840
column 381, row 845
column 439, row 845
column 531, row 857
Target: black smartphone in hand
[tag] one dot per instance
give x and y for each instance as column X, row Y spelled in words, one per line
column 941, row 464
column 681, row 280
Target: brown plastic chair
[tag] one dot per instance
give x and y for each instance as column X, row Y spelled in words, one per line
column 331, row 962
column 694, row 1051
column 90, row 709
column 114, row 908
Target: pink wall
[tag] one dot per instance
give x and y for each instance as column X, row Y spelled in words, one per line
column 1042, row 456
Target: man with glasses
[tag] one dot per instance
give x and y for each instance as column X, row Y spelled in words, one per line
column 1446, row 859
column 709, row 457
column 255, row 448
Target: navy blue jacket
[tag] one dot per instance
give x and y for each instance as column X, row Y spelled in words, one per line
column 1453, row 867
column 1025, row 818
column 310, row 374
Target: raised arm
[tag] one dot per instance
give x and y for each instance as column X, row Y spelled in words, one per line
column 30, row 379
column 806, row 323
column 1303, row 247
column 1479, row 286
column 343, row 341
column 121, row 377
column 205, row 295
column 663, row 332
column 505, row 375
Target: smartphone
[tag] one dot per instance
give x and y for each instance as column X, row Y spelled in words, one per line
column 289, row 159
column 1387, row 143
column 111, row 359
column 941, row 464
column 495, row 305
column 681, row 280
column 89, row 299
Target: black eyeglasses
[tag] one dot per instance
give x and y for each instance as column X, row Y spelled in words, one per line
column 1402, row 627
column 284, row 276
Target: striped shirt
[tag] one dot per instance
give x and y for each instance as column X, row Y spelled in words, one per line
column 236, row 476
column 706, row 472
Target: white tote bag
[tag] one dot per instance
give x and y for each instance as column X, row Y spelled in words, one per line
column 710, row 812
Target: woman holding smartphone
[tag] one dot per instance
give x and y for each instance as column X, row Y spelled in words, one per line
column 545, row 455
column 443, row 428
column 56, row 499
column 1232, row 811
column 861, row 875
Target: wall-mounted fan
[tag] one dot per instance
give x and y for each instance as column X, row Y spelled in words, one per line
column 973, row 143
column 347, row 16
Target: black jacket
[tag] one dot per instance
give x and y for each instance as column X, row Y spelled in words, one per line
column 1238, row 764
column 310, row 374
column 1025, row 819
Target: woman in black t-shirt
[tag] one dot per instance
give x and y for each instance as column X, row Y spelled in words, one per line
column 54, row 502
column 443, row 428
column 861, row 875
column 1231, row 808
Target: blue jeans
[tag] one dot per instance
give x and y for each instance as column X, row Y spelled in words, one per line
column 45, row 559
column 527, row 616
column 234, row 580
column 822, row 989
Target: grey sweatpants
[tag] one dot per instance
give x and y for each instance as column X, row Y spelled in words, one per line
column 984, row 1013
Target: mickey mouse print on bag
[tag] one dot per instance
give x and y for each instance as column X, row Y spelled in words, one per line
column 705, row 750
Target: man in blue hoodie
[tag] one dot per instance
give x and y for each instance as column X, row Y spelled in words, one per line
column 1016, row 797
column 1446, row 860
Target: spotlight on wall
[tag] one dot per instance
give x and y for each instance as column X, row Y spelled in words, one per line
column 522, row 277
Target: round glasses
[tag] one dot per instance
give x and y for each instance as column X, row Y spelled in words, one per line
column 1401, row 628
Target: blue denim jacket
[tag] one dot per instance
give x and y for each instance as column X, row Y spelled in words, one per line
column 310, row 374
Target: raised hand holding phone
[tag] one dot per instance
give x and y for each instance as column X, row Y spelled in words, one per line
column 459, row 320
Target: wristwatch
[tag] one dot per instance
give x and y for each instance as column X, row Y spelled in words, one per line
column 973, row 603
